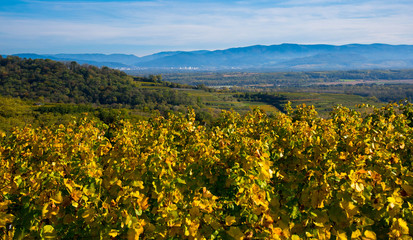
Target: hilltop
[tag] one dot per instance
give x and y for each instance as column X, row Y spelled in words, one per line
column 259, row 57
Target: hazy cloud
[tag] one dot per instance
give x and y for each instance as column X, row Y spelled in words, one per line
column 141, row 27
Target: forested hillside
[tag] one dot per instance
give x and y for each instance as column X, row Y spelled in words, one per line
column 50, row 81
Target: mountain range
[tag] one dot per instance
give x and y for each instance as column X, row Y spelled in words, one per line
column 258, row 57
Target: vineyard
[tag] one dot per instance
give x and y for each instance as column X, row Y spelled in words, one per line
column 287, row 176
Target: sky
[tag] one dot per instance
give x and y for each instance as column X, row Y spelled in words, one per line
column 150, row 26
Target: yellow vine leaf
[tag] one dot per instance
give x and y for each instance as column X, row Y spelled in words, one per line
column 370, row 235
column 229, row 220
column 76, row 195
column 45, row 209
column 399, row 228
column 143, row 203
column 349, row 207
column 395, row 201
column 341, row 235
column 113, row 233
column 236, row 233
column 295, row 237
column 68, row 184
column 48, row 232
column 133, row 233
column 5, row 218
column 57, row 198
column 355, row 234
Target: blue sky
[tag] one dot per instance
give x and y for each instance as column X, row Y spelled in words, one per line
column 149, row 26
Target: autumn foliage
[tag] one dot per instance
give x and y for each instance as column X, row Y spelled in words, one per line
column 288, row 176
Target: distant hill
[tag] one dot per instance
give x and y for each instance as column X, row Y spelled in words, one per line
column 274, row 57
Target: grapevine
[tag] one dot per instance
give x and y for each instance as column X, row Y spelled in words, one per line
column 287, row 176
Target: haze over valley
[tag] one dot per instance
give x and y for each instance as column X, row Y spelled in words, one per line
column 257, row 58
